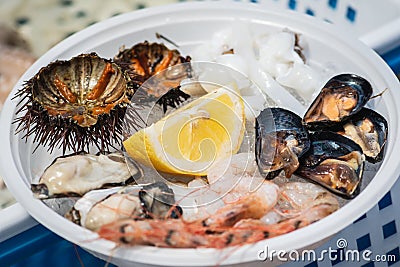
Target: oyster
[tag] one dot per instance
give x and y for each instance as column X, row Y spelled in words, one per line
column 76, row 103
column 341, row 97
column 77, row 174
column 99, row 207
column 280, row 139
column 335, row 162
column 369, row 130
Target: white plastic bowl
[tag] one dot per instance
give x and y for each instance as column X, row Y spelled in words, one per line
column 190, row 24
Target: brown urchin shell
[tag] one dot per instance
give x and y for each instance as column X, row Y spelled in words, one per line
column 144, row 60
column 77, row 103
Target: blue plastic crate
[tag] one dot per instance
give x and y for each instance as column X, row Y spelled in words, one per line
column 39, row 247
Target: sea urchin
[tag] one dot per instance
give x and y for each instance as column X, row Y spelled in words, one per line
column 76, row 104
column 144, row 60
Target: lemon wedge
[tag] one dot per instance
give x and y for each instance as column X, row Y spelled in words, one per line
column 193, row 137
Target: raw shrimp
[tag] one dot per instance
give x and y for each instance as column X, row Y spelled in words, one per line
column 190, row 234
column 180, row 234
column 239, row 176
column 248, row 199
column 232, row 180
column 250, row 206
column 297, row 197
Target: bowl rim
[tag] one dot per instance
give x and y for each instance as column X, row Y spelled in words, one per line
column 195, row 257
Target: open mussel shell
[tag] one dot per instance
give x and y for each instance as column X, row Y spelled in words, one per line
column 369, row 130
column 73, row 104
column 341, row 97
column 77, row 174
column 280, row 139
column 335, row 162
column 158, row 201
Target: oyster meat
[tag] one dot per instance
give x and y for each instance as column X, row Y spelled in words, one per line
column 99, row 207
column 77, row 174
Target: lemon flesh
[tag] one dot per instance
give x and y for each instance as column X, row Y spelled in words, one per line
column 193, row 137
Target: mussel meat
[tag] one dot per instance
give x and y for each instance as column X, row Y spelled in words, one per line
column 75, row 175
column 341, row 97
column 158, row 201
column 335, row 162
column 369, row 130
column 280, row 139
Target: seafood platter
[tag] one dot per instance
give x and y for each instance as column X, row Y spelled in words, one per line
column 197, row 134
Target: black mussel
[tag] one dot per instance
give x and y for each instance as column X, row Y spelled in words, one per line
column 369, row 130
column 335, row 162
column 341, row 97
column 280, row 139
column 158, row 201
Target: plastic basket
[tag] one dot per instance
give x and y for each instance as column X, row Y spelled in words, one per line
column 374, row 22
column 377, row 23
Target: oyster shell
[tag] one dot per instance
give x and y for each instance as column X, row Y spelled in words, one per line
column 99, row 207
column 75, row 175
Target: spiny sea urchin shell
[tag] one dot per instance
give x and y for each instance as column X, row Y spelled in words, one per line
column 145, row 59
column 74, row 104
column 158, row 70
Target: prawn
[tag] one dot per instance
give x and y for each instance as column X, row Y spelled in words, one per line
column 234, row 186
column 176, row 233
column 297, row 197
column 248, row 198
